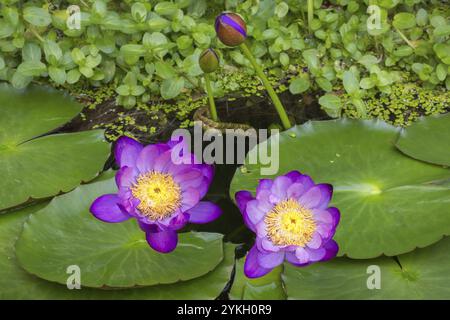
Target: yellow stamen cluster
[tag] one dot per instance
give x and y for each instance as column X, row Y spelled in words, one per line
column 159, row 194
column 289, row 223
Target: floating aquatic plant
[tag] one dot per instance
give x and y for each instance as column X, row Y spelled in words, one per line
column 292, row 221
column 161, row 195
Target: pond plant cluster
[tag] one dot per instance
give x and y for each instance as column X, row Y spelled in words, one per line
column 359, row 207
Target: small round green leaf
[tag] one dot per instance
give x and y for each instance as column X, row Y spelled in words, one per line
column 404, row 20
column 37, row 16
column 65, row 233
column 171, row 88
column 428, row 139
column 299, row 85
column 332, row 104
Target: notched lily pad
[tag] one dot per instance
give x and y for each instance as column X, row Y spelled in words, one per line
column 268, row 287
column 421, row 274
column 428, row 140
column 109, row 255
column 36, row 166
column 384, row 197
column 15, row 283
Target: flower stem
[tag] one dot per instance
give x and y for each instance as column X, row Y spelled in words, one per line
column 37, row 35
column 310, row 14
column 405, row 38
column 276, row 101
column 212, row 104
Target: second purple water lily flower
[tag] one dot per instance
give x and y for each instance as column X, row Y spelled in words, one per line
column 292, row 221
column 161, row 195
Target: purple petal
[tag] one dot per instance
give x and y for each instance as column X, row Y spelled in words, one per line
column 315, row 242
column 126, row 177
column 163, row 241
column 126, row 151
column 306, row 180
column 242, row 198
column 293, row 175
column 190, row 197
column 280, row 186
column 295, row 190
column 203, row 187
column 302, row 255
column 292, row 258
column 317, row 197
column 255, row 215
column 316, row 254
column 332, row 249
column 326, row 231
column 207, row 170
column 148, row 227
column 261, row 229
column 191, row 178
column 266, row 195
column 270, row 260
column 264, row 205
column 106, row 208
column 147, row 157
column 127, row 202
column 177, row 168
column 204, row 212
column 264, row 184
column 265, row 245
column 252, row 269
column 323, row 216
column 163, row 162
column 335, row 214
column 179, row 221
column 225, row 19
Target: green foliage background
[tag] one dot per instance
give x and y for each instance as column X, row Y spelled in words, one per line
column 149, row 49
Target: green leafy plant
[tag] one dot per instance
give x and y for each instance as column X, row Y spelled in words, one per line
column 160, row 43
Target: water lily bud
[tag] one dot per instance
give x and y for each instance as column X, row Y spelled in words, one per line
column 231, row 29
column 209, row 61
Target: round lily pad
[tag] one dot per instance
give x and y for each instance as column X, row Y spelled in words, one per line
column 35, row 165
column 384, row 197
column 428, row 139
column 65, row 233
column 421, row 274
column 18, row 284
column 268, row 287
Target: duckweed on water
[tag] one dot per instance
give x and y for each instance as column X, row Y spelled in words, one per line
column 404, row 104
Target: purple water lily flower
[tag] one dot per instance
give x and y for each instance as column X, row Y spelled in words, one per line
column 161, row 195
column 292, row 221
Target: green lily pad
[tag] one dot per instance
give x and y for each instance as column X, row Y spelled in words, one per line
column 15, row 283
column 268, row 287
column 384, row 197
column 36, row 166
column 428, row 139
column 65, row 233
column 421, row 274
